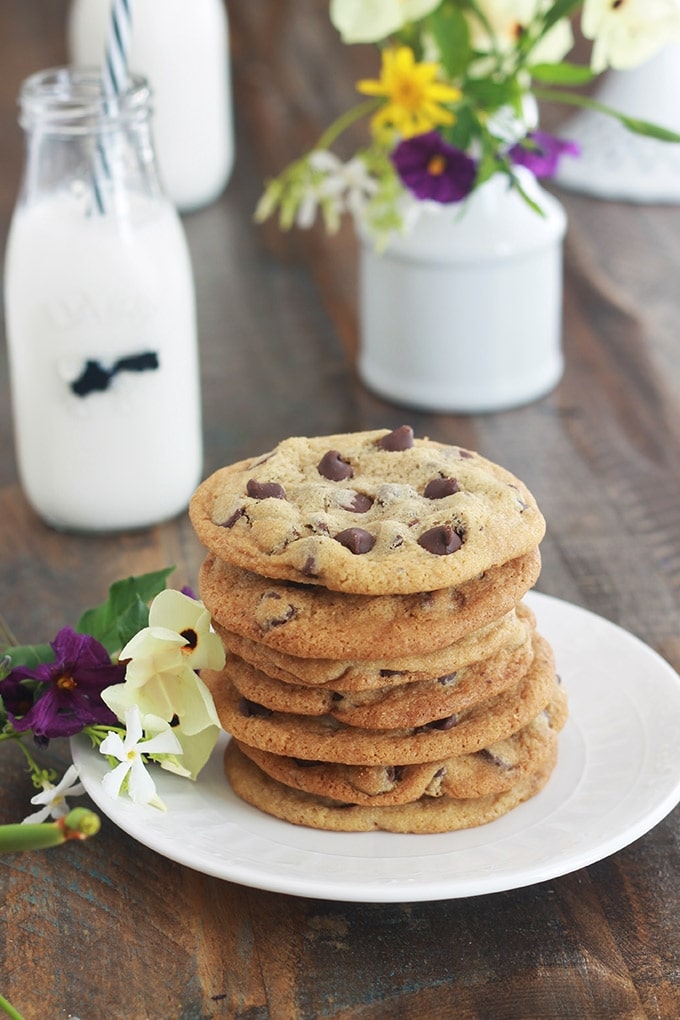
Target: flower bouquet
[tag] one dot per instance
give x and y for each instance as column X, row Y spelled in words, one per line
column 128, row 677
column 460, row 268
column 454, row 102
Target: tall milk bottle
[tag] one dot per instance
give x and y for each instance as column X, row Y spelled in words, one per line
column 182, row 48
column 101, row 318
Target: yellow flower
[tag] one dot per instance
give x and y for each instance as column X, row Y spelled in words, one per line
column 413, row 94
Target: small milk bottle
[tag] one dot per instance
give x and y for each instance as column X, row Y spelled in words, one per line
column 100, row 310
column 182, row 48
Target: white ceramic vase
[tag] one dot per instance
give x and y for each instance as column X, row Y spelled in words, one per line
column 463, row 313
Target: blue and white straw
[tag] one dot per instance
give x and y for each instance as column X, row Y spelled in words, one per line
column 115, row 74
column 114, row 83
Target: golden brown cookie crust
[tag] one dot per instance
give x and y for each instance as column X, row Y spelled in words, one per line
column 324, row 738
column 280, row 516
column 391, row 707
column 489, row 771
column 308, row 621
column 426, row 815
column 366, row 674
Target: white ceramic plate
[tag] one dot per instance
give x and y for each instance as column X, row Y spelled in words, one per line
column 618, row 775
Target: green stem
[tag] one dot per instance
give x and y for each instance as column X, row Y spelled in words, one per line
column 345, row 120
column 80, row 823
column 32, row 763
column 640, row 127
column 9, row 1009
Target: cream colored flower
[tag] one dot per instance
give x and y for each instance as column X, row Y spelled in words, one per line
column 509, row 19
column 627, row 32
column 202, row 648
column 182, row 700
column 161, row 678
column 370, row 20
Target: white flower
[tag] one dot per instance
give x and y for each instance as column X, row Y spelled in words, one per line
column 53, row 798
column 181, row 697
column 370, row 20
column 350, row 183
column 179, row 633
column 508, row 19
column 627, row 33
column 311, row 197
column 129, row 753
column 160, row 679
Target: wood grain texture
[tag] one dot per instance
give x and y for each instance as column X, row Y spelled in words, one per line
column 111, row 930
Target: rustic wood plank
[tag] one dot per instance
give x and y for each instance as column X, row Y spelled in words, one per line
column 110, row 929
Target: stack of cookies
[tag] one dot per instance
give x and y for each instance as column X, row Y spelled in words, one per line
column 382, row 671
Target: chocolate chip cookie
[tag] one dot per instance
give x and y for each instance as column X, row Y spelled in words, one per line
column 366, row 674
column 367, row 513
column 388, row 706
column 425, row 815
column 492, row 770
column 309, row 621
column 325, row 738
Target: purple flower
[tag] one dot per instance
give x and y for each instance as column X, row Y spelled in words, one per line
column 431, row 168
column 541, row 153
column 69, row 689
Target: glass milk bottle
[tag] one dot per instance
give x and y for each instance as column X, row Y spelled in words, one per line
column 182, row 48
column 100, row 310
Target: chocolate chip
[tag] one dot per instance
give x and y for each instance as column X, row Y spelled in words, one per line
column 493, row 759
column 249, row 708
column 466, row 454
column 522, row 504
column 447, row 679
column 399, row 439
column 310, row 567
column 440, row 540
column 356, row 540
column 267, row 616
column 391, row 672
column 393, row 773
column 359, row 504
column 265, row 490
column 439, row 724
column 334, row 466
column 438, row 488
column 231, row 521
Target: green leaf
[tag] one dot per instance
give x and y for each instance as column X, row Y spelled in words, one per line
column 104, row 622
column 644, row 127
column 560, row 9
column 561, row 74
column 134, row 619
column 639, row 127
column 29, row 655
column 464, row 130
column 451, row 34
column 491, row 95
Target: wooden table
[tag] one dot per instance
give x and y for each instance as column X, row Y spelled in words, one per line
column 110, row 929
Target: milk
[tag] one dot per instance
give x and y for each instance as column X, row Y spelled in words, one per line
column 119, row 445
column 182, row 47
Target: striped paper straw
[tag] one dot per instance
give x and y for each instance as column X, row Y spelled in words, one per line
column 114, row 83
column 117, row 49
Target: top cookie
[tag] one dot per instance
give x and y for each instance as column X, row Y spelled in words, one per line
column 368, row 513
